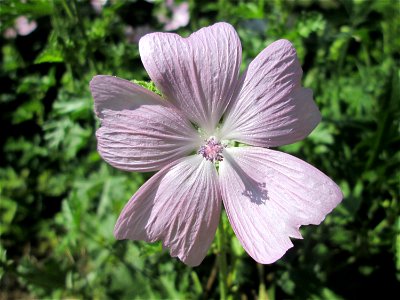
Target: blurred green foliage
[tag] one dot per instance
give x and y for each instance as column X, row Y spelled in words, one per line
column 59, row 200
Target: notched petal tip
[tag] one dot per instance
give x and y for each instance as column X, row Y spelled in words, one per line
column 105, row 90
column 146, row 41
column 198, row 73
column 311, row 113
column 149, row 36
column 95, row 81
column 221, row 25
column 269, row 100
column 98, row 77
column 268, row 195
column 114, row 93
column 283, row 46
column 283, row 43
column 273, row 258
column 191, row 261
column 100, row 80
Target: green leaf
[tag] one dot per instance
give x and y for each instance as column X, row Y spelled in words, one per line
column 149, row 85
column 148, row 249
column 49, row 55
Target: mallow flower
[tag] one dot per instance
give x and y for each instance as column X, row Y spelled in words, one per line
column 189, row 136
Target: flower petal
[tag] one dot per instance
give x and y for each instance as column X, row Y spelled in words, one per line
column 268, row 195
column 140, row 131
column 180, row 205
column 197, row 74
column 271, row 108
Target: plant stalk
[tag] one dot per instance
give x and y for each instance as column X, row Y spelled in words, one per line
column 223, row 270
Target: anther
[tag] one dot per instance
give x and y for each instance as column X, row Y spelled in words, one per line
column 212, row 150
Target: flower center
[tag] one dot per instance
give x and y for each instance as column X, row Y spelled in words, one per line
column 212, row 150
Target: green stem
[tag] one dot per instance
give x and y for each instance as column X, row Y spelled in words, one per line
column 223, row 270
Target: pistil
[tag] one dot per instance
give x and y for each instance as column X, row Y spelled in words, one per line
column 212, row 150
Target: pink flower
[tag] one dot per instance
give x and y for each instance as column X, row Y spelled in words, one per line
column 267, row 194
column 180, row 15
column 134, row 34
column 22, row 26
column 98, row 5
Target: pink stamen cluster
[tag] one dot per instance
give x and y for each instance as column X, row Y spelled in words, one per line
column 212, row 150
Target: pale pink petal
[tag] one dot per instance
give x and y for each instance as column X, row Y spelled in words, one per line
column 98, row 5
column 180, row 17
column 139, row 130
column 24, row 26
column 197, row 74
column 268, row 195
column 180, row 205
column 10, row 33
column 271, row 108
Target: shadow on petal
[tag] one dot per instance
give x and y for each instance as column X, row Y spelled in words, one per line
column 254, row 190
